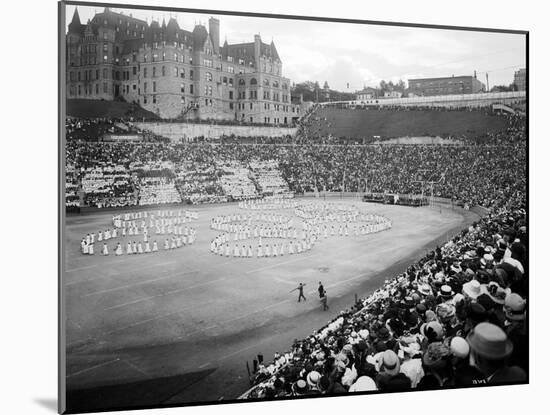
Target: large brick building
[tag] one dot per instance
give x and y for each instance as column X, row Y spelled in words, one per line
column 445, row 86
column 520, row 79
column 176, row 73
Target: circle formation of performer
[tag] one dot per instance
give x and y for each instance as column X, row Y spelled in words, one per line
column 139, row 230
column 265, row 235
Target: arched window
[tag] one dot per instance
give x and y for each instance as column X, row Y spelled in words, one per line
column 241, row 81
column 285, row 86
column 276, row 84
column 208, row 76
column 253, row 81
column 266, row 82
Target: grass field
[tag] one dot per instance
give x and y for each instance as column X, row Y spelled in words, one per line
column 389, row 123
column 184, row 322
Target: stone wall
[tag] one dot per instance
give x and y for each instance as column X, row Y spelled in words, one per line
column 178, row 131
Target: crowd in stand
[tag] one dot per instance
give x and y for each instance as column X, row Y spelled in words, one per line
column 486, row 170
column 457, row 317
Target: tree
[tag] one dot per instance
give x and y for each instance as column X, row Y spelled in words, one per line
column 325, row 86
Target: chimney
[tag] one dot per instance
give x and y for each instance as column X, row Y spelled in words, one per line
column 475, row 74
column 257, row 48
column 214, row 29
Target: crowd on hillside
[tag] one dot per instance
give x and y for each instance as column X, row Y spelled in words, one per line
column 457, row 317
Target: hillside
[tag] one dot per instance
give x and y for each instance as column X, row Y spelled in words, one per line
column 387, row 123
column 87, row 108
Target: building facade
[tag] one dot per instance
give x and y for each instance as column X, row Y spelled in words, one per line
column 520, row 79
column 366, row 93
column 176, row 73
column 454, row 85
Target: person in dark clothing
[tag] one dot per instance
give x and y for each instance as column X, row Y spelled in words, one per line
column 321, row 290
column 300, row 289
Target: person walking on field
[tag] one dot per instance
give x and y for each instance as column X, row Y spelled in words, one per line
column 321, row 289
column 300, row 289
column 323, row 296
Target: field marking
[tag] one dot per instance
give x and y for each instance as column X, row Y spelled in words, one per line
column 111, row 276
column 204, row 365
column 139, row 300
column 254, row 312
column 93, row 367
column 148, row 320
column 108, row 290
column 137, row 368
column 81, row 268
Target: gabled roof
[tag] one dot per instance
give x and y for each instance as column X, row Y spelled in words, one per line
column 75, row 26
column 246, row 50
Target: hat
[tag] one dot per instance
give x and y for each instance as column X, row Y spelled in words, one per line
column 364, row 334
column 460, row 347
column 430, row 316
column 363, row 384
column 514, row 307
column 340, row 366
column 472, row 289
column 313, row 378
column 483, row 276
column 383, row 333
column 458, row 298
column 425, row 289
column 435, row 355
column 432, row 330
column 490, row 341
column 477, row 312
column 445, row 291
column 445, row 311
column 390, row 362
column 362, row 345
column 408, row 301
column 300, row 387
column 421, row 308
column 380, row 346
column 495, row 292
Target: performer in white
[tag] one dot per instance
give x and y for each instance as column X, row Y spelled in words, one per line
column 118, row 250
column 105, row 250
column 147, row 247
column 140, row 248
column 155, row 246
column 91, row 249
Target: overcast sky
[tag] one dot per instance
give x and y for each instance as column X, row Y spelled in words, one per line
column 358, row 54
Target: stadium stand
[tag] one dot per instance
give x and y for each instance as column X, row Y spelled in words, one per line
column 456, row 317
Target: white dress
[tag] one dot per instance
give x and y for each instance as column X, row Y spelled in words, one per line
column 155, row 246
column 105, row 250
column 91, row 249
column 129, row 249
column 140, row 248
column 118, row 250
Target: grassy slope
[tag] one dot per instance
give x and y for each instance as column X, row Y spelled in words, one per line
column 362, row 123
column 87, row 108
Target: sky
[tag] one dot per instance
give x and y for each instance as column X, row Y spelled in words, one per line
column 351, row 56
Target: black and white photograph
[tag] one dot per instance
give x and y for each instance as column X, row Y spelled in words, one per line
column 261, row 207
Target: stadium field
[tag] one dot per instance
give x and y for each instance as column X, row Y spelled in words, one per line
column 185, row 321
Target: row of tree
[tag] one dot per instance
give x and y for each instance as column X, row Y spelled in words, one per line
column 312, row 91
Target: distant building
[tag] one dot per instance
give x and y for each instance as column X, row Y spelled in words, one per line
column 366, row 93
column 393, row 94
column 176, row 73
column 445, row 86
column 520, row 79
